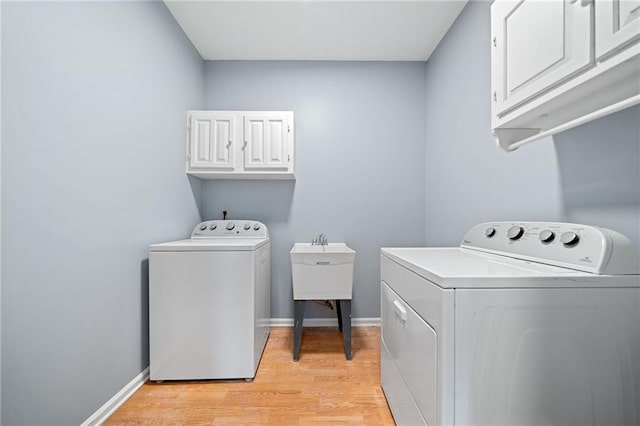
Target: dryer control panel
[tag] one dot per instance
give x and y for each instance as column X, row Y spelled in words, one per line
column 581, row 247
column 230, row 229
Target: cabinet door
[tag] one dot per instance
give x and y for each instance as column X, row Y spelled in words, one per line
column 266, row 141
column 211, row 139
column 537, row 45
column 617, row 25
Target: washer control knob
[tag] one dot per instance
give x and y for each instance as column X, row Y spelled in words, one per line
column 256, row 227
column 570, row 238
column 547, row 236
column 490, row 232
column 515, row 232
column 247, row 226
column 230, row 226
column 213, row 226
column 202, row 227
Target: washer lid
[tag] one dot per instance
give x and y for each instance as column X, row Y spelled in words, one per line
column 465, row 268
column 211, row 244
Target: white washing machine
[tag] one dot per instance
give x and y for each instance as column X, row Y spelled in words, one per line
column 209, row 302
column 523, row 324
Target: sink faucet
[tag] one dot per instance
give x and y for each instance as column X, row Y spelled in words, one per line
column 320, row 240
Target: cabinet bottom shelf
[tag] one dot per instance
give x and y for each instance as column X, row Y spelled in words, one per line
column 243, row 175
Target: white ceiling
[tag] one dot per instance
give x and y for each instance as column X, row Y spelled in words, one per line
column 346, row 30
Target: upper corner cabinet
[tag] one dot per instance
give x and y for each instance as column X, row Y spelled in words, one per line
column 561, row 63
column 240, row 144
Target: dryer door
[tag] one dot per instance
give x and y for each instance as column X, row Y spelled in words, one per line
column 412, row 346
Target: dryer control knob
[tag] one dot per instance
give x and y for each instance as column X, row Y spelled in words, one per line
column 515, row 232
column 202, row 227
column 247, row 226
column 230, row 226
column 547, row 236
column 490, row 232
column 213, row 226
column 570, row 238
column 256, row 227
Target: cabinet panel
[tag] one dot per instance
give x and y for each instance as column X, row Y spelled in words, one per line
column 529, row 51
column 277, row 147
column 617, row 25
column 537, row 45
column 254, row 141
column 211, row 139
column 266, row 142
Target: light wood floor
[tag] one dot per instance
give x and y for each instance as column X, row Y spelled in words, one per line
column 321, row 389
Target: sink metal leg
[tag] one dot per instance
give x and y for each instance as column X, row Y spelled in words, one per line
column 345, row 310
column 297, row 329
column 339, row 313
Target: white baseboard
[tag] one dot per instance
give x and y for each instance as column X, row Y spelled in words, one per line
column 325, row 322
column 118, row 399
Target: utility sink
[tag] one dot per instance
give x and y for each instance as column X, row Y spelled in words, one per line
column 322, row 271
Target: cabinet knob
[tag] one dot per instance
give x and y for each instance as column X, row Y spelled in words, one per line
column 495, row 97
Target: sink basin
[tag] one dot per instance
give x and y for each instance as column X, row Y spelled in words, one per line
column 322, row 271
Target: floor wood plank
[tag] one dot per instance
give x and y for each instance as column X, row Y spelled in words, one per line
column 321, row 389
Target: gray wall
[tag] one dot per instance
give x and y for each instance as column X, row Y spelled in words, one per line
column 0, row 214
column 599, row 166
column 589, row 174
column 94, row 98
column 359, row 161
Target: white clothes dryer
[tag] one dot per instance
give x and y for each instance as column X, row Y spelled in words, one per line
column 524, row 324
column 209, row 302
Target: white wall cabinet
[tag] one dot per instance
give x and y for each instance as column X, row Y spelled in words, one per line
column 240, row 144
column 558, row 64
